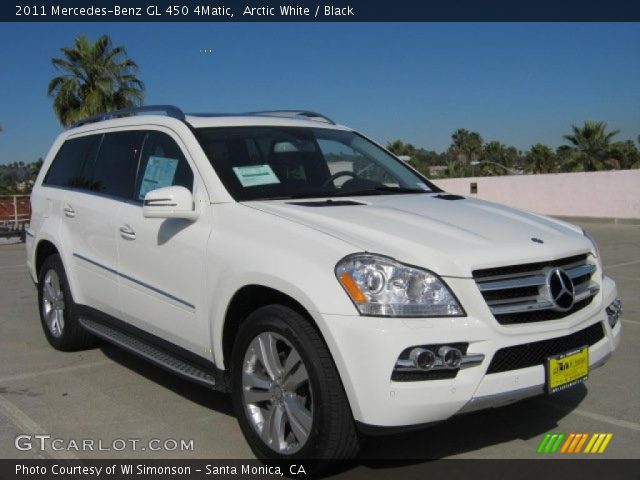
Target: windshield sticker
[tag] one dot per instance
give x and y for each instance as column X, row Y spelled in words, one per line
column 423, row 186
column 159, row 173
column 255, row 175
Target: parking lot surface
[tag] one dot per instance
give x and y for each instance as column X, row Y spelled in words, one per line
column 106, row 394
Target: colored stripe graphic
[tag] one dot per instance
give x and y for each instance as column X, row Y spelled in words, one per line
column 567, row 443
column 594, row 437
column 581, row 442
column 556, row 445
column 599, row 442
column 543, row 443
column 606, row 442
column 573, row 443
column 551, row 442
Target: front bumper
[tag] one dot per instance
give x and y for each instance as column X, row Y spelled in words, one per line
column 365, row 350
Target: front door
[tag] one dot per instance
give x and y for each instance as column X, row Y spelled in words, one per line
column 161, row 261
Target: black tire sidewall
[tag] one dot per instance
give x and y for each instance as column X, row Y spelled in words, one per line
column 285, row 322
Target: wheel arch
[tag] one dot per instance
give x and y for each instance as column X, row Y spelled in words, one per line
column 246, row 300
column 45, row 248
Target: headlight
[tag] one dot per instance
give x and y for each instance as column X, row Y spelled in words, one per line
column 596, row 250
column 593, row 241
column 381, row 286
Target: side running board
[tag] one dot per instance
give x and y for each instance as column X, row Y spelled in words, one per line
column 156, row 355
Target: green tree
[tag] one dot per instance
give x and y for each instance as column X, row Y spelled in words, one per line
column 398, row 147
column 503, row 158
column 540, row 159
column 466, row 145
column 625, row 155
column 97, row 77
column 34, row 169
column 591, row 144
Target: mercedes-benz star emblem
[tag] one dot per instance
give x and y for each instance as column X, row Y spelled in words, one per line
column 560, row 287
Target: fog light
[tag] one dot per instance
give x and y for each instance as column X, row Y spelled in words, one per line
column 614, row 312
column 422, row 358
column 450, row 357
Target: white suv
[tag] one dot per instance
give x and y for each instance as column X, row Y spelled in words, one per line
column 332, row 289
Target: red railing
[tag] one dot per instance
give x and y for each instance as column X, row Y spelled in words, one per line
column 15, row 211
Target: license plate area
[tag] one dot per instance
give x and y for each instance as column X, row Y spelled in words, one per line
column 567, row 369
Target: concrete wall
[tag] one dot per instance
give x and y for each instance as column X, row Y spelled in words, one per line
column 614, row 194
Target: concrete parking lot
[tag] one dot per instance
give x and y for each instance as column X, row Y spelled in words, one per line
column 107, row 394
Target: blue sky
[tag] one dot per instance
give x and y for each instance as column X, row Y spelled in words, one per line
column 517, row 83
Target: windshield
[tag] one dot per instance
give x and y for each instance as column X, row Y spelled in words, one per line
column 260, row 163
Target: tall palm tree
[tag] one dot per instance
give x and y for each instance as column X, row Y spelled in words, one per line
column 540, row 159
column 592, row 144
column 625, row 155
column 499, row 157
column 466, row 145
column 398, row 147
column 97, row 77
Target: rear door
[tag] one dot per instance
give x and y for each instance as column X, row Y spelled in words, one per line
column 104, row 182
column 85, row 236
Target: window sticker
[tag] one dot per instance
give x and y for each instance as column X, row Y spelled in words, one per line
column 254, row 175
column 423, row 186
column 159, row 173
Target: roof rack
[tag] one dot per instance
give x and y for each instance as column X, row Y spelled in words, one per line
column 169, row 110
column 295, row 113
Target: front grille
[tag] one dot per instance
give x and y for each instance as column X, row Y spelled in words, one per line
column 532, row 354
column 518, row 293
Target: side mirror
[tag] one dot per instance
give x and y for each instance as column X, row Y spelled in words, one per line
column 169, row 202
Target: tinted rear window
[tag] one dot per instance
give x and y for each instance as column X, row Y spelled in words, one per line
column 73, row 154
column 114, row 170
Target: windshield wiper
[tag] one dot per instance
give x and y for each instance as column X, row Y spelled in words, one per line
column 379, row 190
column 385, row 188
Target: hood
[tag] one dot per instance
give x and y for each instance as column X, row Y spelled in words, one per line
column 447, row 234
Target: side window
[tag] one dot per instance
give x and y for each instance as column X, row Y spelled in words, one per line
column 114, row 170
column 73, row 154
column 162, row 165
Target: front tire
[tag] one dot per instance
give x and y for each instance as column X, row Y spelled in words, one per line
column 286, row 390
column 58, row 310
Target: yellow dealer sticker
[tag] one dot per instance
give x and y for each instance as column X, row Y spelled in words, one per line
column 567, row 369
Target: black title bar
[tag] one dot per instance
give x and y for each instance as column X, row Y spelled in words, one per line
column 319, row 11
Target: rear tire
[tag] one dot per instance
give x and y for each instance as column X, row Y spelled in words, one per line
column 298, row 383
column 57, row 309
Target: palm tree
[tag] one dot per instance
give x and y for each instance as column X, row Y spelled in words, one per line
column 540, row 159
column 499, row 157
column 592, row 143
column 625, row 154
column 97, row 78
column 466, row 145
column 398, row 147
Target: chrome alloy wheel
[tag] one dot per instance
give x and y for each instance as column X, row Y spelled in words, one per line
column 53, row 303
column 277, row 393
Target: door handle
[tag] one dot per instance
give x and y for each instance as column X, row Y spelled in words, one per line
column 68, row 211
column 127, row 232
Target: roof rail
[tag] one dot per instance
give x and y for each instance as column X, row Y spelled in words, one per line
column 169, row 110
column 295, row 113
